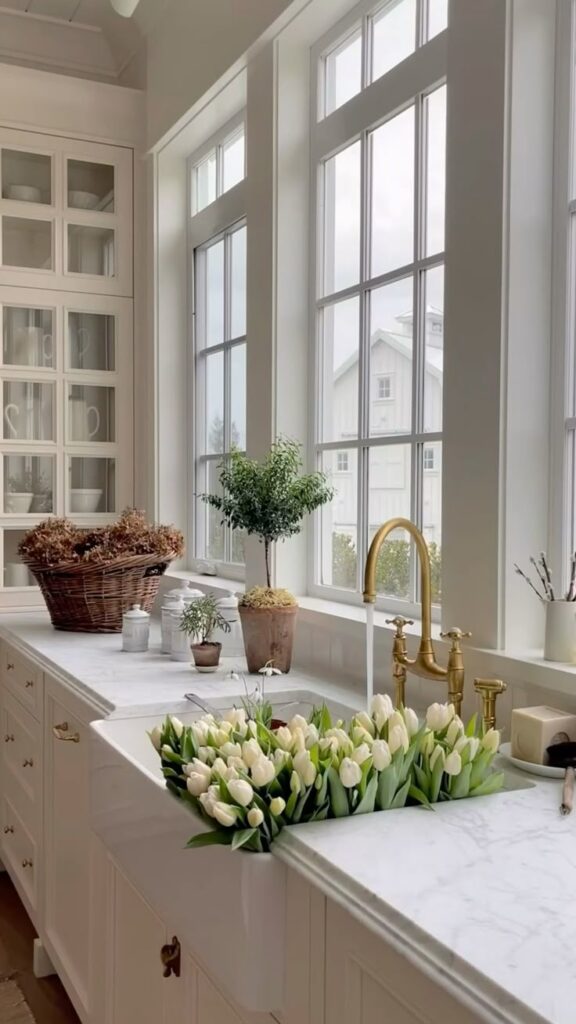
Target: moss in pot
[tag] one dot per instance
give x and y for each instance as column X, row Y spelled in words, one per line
column 268, row 499
column 199, row 620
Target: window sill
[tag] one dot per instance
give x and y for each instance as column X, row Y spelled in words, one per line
column 519, row 666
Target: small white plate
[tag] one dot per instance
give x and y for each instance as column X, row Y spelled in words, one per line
column 546, row 770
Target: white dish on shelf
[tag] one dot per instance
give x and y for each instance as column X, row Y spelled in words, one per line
column 81, row 200
column 85, row 499
column 24, row 193
column 546, row 770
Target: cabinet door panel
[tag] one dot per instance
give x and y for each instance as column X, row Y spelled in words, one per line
column 135, row 976
column 68, row 843
column 212, row 1008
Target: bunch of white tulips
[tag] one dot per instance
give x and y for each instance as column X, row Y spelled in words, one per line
column 248, row 779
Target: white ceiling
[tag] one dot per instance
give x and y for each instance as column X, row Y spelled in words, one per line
column 114, row 41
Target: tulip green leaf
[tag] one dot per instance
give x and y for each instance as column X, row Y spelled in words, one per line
column 420, row 797
column 422, row 779
column 215, row 838
column 338, row 797
column 366, row 805
column 300, row 806
column 321, row 793
column 460, row 784
column 401, row 796
column 291, row 805
column 188, row 745
column 480, row 766
column 436, row 780
column 472, row 725
column 490, row 785
column 387, row 783
column 242, row 837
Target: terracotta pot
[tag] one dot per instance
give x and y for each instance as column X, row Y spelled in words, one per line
column 268, row 636
column 206, row 656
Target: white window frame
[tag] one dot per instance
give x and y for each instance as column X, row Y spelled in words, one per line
column 409, row 82
column 215, row 221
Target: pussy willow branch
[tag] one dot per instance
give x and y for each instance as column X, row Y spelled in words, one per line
column 529, row 582
column 544, row 565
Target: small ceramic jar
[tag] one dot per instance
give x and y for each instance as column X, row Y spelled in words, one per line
column 184, row 593
column 180, row 644
column 135, row 630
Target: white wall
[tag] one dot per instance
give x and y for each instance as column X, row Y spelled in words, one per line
column 195, row 43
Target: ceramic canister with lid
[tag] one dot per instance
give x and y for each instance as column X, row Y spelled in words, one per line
column 180, row 644
column 232, row 642
column 184, row 593
column 135, row 630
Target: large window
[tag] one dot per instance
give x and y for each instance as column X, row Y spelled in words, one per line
column 218, row 271
column 378, row 293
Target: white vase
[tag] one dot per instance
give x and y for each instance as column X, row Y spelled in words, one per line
column 560, row 636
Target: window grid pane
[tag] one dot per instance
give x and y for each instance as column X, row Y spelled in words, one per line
column 380, row 350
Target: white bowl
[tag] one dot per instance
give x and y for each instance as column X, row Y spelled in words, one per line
column 85, row 499
column 18, row 502
column 24, row 193
column 82, row 200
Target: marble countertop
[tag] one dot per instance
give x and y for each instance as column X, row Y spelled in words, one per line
column 481, row 894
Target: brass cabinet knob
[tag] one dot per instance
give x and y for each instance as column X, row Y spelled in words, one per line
column 8, row 830
column 29, row 684
column 10, row 666
column 61, row 733
column 27, row 863
column 170, row 957
column 9, row 738
column 28, row 762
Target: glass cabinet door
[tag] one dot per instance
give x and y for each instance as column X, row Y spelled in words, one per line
column 28, row 413
column 90, row 186
column 29, row 482
column 26, row 176
column 28, row 336
column 91, row 341
column 16, row 574
column 91, row 414
column 27, row 243
column 92, row 485
column 91, row 250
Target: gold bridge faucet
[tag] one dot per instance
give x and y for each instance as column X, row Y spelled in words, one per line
column 424, row 664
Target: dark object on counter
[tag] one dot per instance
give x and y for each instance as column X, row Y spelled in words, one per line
column 563, row 755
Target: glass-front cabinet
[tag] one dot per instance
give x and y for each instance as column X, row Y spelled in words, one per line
column 66, row 213
column 66, row 358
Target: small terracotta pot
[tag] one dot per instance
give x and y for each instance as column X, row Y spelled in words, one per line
column 206, row 656
column 268, row 636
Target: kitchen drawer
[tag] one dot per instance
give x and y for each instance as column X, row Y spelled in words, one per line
column 22, row 678
column 21, row 753
column 19, row 853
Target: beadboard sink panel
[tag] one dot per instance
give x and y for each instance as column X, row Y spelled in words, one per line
column 227, row 907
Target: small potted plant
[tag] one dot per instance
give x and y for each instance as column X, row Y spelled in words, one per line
column 268, row 499
column 199, row 620
column 19, row 495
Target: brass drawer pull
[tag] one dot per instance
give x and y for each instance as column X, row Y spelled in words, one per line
column 29, row 684
column 170, row 957
column 28, row 762
column 27, row 863
column 10, row 666
column 8, row 830
column 9, row 738
column 61, row 733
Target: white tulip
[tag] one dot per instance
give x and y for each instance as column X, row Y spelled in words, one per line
column 298, row 722
column 231, row 750
column 361, row 735
column 251, row 752
column 240, row 791
column 439, row 716
column 427, row 743
column 474, row 745
column 225, row 814
column 381, row 708
column 295, row 784
column 350, row 773
column 284, row 737
column 197, row 783
column 252, row 727
column 396, row 718
column 237, row 763
column 363, row 720
column 491, row 740
column 305, row 768
column 263, row 771
column 221, row 735
column 312, row 736
column 280, row 757
column 298, row 740
column 398, row 737
column 237, row 718
column 177, row 725
column 342, row 738
column 329, row 743
column 361, row 753
column 412, row 721
column 155, row 735
column 198, row 767
column 438, row 752
column 453, row 763
column 454, row 731
column 220, row 768
column 381, row 755
column 277, row 806
column 255, row 817
column 200, row 730
column 207, row 754
column 209, row 798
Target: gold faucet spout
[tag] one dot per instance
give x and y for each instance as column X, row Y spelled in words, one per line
column 424, row 664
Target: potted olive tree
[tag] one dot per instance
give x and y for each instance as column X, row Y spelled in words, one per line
column 268, row 499
column 199, row 620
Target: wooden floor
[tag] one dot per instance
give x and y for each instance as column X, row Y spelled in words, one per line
column 46, row 997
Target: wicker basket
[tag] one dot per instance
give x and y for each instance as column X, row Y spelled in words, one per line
column 91, row 597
